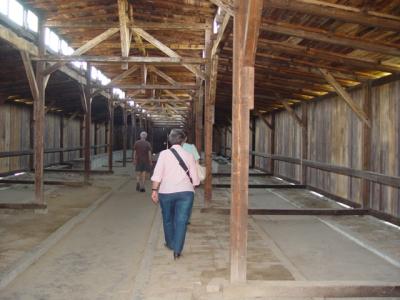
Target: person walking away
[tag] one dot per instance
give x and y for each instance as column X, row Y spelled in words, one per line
column 173, row 181
column 142, row 160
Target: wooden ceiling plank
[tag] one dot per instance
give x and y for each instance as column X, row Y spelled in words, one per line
column 171, row 53
column 339, row 12
column 84, row 48
column 346, row 97
column 331, row 38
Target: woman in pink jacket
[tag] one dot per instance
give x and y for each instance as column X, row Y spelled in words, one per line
column 174, row 178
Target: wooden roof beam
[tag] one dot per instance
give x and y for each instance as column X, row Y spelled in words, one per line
column 264, row 119
column 331, row 38
column 171, row 53
column 30, row 75
column 84, row 48
column 220, row 34
column 346, row 97
column 158, row 86
column 118, row 59
column 328, row 56
column 291, row 111
column 339, row 12
column 225, row 5
column 124, row 30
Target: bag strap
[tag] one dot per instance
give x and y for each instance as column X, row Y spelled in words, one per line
column 181, row 163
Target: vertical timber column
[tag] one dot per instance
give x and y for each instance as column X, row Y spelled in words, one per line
column 304, row 143
column 107, row 128
column 31, row 139
column 62, row 138
column 208, row 128
column 246, row 26
column 81, row 128
column 253, row 142
column 366, row 145
column 199, row 116
column 124, row 135
column 39, row 115
column 272, row 144
column 110, row 132
column 88, row 121
column 133, row 118
column 96, row 127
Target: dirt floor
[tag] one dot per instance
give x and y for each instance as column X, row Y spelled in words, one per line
column 118, row 251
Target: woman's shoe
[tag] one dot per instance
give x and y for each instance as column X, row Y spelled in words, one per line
column 176, row 255
column 166, row 246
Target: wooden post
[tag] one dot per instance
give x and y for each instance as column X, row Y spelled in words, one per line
column 253, row 142
column 110, row 132
column 124, row 135
column 62, row 138
column 247, row 21
column 39, row 118
column 31, row 138
column 88, row 121
column 81, row 128
column 272, row 144
column 366, row 145
column 199, row 116
column 304, row 143
column 107, row 128
column 96, row 127
column 133, row 119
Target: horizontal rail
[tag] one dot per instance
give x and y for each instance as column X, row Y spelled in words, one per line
column 47, row 182
column 293, row 212
column 263, row 186
column 369, row 175
column 250, row 174
column 51, row 150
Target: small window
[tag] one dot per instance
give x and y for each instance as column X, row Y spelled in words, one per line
column 54, row 42
column 16, row 12
column 65, row 48
column 4, row 7
column 32, row 21
column 215, row 26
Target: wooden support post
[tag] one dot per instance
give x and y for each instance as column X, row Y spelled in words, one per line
column 272, row 144
column 226, row 142
column 31, row 138
column 366, row 146
column 88, row 120
column 81, row 128
column 247, row 21
column 96, row 127
column 124, row 135
column 124, row 30
column 110, row 132
column 39, row 117
column 62, row 138
column 253, row 142
column 199, row 117
column 304, row 143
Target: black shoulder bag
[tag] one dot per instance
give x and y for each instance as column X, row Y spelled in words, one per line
column 182, row 163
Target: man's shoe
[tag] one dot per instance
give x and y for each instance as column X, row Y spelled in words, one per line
column 142, row 190
column 137, row 187
column 176, row 255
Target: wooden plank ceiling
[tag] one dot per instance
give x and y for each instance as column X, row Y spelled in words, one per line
column 354, row 40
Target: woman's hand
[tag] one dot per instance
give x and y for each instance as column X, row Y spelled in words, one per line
column 154, row 197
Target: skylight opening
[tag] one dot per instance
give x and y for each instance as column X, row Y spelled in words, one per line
column 32, row 21
column 16, row 12
column 4, row 7
column 65, row 48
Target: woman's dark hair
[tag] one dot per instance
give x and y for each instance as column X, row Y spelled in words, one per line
column 176, row 136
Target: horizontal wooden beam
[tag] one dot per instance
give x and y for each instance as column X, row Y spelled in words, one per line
column 157, row 86
column 119, row 59
column 339, row 12
column 369, row 175
column 293, row 212
column 327, row 56
column 263, row 186
column 47, row 182
column 147, row 100
column 250, row 174
column 331, row 38
column 144, row 25
column 21, row 206
column 225, row 5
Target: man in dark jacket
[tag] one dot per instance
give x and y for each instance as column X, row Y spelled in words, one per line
column 142, row 160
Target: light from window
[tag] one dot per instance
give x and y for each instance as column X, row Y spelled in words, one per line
column 215, row 26
column 32, row 21
column 4, row 7
column 54, row 43
column 16, row 12
column 94, row 74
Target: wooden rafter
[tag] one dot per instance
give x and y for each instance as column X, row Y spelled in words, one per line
column 84, row 48
column 30, row 75
column 346, row 97
column 225, row 5
column 252, row 30
column 118, row 59
column 163, row 75
column 220, row 34
column 337, row 11
column 329, row 37
column 264, row 119
column 291, row 111
column 124, row 30
column 157, row 86
column 171, row 53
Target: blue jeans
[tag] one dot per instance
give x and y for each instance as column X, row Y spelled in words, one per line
column 176, row 209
